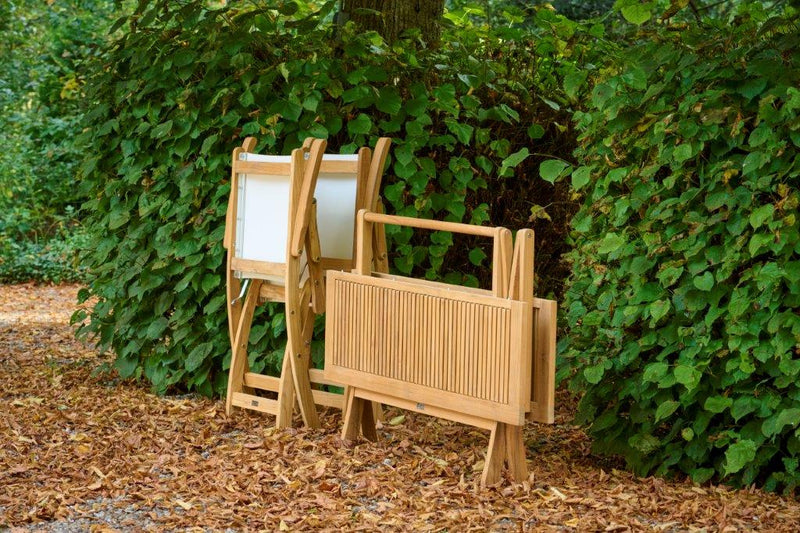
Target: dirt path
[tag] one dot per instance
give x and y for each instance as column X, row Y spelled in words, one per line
column 80, row 451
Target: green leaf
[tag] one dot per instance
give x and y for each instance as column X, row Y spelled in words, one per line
column 197, row 356
column 669, row 276
column 636, row 13
column 126, row 366
column 581, row 177
column 594, row 374
column 476, row 256
column 156, row 328
column 759, row 241
column 659, row 309
column 610, row 243
column 389, row 100
column 665, row 409
column 654, row 372
column 761, row 215
column 118, row 217
column 775, row 424
column 682, row 153
column 463, row 132
column 573, row 82
column 535, row 131
column 514, row 159
column 362, row 124
column 552, row 169
column 645, row 443
column 717, row 404
column 687, row 376
column 161, row 130
column 739, row 455
column 704, row 282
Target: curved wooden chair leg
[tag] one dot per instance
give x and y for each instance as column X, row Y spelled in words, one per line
column 239, row 365
column 286, row 396
column 300, row 326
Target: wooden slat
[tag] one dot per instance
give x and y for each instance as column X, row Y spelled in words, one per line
column 339, row 167
column 272, row 293
column 328, row 399
column 432, row 284
column 424, row 223
column 261, row 168
column 262, row 382
column 317, row 375
column 256, row 403
column 432, row 410
column 544, row 363
column 334, row 263
column 258, row 267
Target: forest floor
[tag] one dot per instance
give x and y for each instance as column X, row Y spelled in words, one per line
column 81, row 450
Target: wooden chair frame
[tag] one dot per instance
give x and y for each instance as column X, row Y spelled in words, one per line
column 298, row 282
column 385, row 336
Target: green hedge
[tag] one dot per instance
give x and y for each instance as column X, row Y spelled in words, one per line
column 184, row 86
column 44, row 47
column 684, row 302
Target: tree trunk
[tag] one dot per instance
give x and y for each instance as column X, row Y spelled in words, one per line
column 390, row 18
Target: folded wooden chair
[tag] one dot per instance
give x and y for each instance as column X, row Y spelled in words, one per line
column 290, row 218
column 480, row 357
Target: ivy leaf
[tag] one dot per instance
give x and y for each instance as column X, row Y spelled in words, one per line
column 636, row 13
column 738, row 455
column 687, row 376
column 761, row 215
column 573, row 82
column 463, row 132
column 775, row 424
column 682, row 153
column 156, row 328
column 476, row 256
column 581, row 177
column 704, row 282
column 552, row 169
column 389, row 100
column 757, row 242
column 717, row 404
column 659, row 309
column 610, row 243
column 665, row 409
column 594, row 374
column 516, row 158
column 654, row 372
column 362, row 124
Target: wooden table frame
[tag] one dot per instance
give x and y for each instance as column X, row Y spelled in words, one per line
column 480, row 357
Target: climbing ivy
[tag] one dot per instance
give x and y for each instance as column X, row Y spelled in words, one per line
column 684, row 302
column 186, row 83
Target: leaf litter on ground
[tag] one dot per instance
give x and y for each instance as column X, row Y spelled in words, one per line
column 82, row 450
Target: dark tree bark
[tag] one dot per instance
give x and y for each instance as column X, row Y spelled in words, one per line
column 390, row 18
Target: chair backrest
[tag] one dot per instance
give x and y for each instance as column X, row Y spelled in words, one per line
column 345, row 184
column 263, row 205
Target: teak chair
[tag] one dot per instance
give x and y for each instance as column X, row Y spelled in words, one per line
column 289, row 219
column 480, row 357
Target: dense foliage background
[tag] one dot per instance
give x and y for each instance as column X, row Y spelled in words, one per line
column 44, row 48
column 184, row 86
column 684, row 301
column 654, row 149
